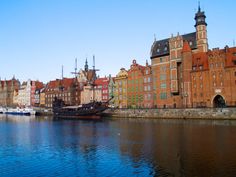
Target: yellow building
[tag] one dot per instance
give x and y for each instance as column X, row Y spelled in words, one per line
column 42, row 98
column 121, row 89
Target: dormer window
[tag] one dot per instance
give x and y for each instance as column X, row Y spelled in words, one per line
column 165, row 49
column 158, row 50
column 190, row 43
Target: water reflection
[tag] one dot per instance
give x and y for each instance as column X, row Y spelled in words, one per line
column 38, row 146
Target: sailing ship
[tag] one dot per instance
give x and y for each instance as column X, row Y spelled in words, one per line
column 92, row 110
column 87, row 111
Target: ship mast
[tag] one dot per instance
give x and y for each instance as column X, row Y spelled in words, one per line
column 75, row 72
column 94, row 77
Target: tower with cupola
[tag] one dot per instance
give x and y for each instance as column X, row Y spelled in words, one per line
column 201, row 30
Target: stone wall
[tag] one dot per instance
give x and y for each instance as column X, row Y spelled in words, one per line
column 205, row 113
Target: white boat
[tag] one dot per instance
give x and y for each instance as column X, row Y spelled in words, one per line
column 2, row 110
column 19, row 111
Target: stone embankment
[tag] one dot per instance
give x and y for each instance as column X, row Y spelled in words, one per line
column 198, row 113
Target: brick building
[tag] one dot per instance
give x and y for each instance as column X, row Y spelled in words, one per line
column 214, row 78
column 171, row 65
column 65, row 89
column 187, row 74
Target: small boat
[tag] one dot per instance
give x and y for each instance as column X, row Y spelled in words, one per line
column 19, row 111
column 2, row 110
column 87, row 111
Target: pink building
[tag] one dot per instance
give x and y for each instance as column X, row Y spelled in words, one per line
column 103, row 84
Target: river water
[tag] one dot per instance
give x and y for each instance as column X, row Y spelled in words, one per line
column 41, row 146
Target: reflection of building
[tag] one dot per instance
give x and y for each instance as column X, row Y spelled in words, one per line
column 120, row 94
column 7, row 89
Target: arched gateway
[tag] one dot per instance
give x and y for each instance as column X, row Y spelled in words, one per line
column 219, row 102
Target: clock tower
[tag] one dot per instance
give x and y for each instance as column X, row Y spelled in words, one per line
column 201, row 30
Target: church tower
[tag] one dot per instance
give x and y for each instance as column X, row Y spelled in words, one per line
column 86, row 65
column 201, row 31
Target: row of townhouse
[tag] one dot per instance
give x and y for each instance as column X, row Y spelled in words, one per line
column 12, row 93
column 183, row 73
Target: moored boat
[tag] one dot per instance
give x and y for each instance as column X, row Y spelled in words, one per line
column 19, row 111
column 87, row 111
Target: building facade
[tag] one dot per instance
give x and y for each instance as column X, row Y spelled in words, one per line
column 120, row 91
column 187, row 74
column 135, row 89
column 7, row 90
column 64, row 89
column 171, row 65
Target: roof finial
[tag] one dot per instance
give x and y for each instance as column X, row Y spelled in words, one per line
column 199, row 7
column 155, row 38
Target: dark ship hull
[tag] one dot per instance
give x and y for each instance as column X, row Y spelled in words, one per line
column 88, row 111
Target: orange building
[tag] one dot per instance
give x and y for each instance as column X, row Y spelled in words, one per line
column 135, row 91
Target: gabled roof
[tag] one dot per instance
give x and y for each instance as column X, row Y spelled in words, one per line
column 102, row 81
column 65, row 83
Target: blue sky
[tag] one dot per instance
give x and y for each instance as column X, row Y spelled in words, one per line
column 37, row 37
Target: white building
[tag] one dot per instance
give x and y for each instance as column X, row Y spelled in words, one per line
column 24, row 94
column 89, row 94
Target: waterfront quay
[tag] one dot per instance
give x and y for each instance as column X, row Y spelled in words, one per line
column 197, row 113
column 42, row 146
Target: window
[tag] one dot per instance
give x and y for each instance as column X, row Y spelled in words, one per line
column 162, row 77
column 160, row 60
column 214, row 76
column 194, row 68
column 200, row 67
column 163, row 85
column 147, row 71
column 163, row 96
column 165, row 49
column 149, row 79
column 190, row 43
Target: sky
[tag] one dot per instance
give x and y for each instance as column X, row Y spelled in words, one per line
column 37, row 37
